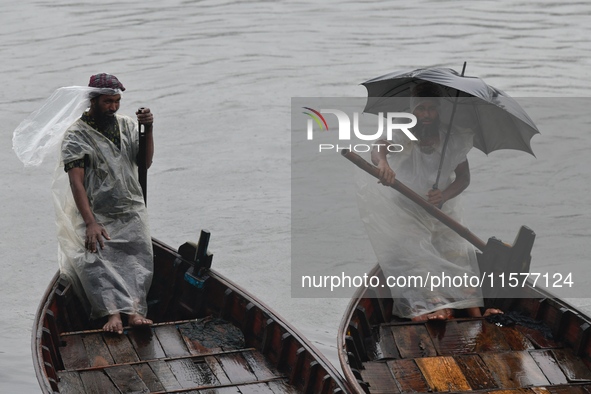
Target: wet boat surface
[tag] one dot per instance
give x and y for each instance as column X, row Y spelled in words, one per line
column 381, row 353
column 209, row 336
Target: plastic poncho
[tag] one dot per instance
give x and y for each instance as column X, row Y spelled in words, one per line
column 116, row 278
column 407, row 240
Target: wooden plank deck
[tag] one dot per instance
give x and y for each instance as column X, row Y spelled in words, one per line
column 166, row 358
column 408, row 376
column 380, row 378
column 443, row 374
column 471, row 355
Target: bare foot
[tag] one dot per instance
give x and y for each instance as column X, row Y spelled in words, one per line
column 475, row 312
column 138, row 320
column 420, row 318
column 443, row 314
column 492, row 311
column 114, row 324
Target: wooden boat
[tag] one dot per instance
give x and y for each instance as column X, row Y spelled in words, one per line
column 209, row 336
column 381, row 353
column 550, row 353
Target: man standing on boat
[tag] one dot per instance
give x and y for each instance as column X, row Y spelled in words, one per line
column 406, row 239
column 104, row 243
column 104, row 237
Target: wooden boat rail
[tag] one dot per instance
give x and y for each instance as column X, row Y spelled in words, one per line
column 72, row 355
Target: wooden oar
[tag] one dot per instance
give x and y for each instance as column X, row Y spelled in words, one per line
column 430, row 208
column 498, row 259
column 142, row 168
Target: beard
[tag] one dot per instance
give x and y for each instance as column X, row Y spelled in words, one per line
column 104, row 120
column 423, row 131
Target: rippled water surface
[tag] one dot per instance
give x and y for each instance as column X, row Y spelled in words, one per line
column 220, row 75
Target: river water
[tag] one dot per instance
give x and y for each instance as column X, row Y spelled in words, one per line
column 220, row 75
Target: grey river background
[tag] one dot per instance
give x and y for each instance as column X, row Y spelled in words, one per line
column 219, row 77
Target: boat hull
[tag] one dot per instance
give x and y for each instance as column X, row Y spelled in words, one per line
column 209, row 335
column 380, row 353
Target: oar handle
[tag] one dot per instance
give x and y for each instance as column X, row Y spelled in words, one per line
column 142, row 167
column 430, row 208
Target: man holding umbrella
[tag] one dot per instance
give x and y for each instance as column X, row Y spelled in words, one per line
column 406, row 239
column 411, row 237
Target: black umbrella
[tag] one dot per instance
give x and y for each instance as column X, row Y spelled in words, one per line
column 497, row 120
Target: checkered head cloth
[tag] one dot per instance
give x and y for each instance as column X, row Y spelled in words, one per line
column 107, row 81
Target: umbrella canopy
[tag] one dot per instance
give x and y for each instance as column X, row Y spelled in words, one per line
column 497, row 120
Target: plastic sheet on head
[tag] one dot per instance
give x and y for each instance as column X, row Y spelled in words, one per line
column 408, row 242
column 41, row 132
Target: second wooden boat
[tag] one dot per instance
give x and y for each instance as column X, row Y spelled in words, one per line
column 547, row 351
column 544, row 349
